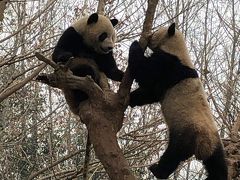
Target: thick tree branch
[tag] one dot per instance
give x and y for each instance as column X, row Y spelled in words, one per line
column 236, row 129
column 63, row 78
column 232, row 148
column 87, row 159
column 147, row 25
column 97, row 113
column 101, row 6
column 127, row 81
column 2, row 8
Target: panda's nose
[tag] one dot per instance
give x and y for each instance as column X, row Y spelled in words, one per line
column 110, row 48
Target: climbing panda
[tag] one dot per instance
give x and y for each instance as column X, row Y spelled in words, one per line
column 168, row 76
column 91, row 39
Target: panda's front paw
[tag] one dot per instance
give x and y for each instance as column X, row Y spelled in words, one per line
column 60, row 63
column 135, row 52
column 135, row 47
column 64, row 57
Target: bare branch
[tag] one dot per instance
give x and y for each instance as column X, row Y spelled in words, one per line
column 46, row 60
column 101, row 6
column 65, row 79
column 147, row 26
column 7, row 92
column 125, row 86
column 54, row 164
column 37, row 15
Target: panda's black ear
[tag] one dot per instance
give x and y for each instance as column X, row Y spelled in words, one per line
column 171, row 30
column 114, row 22
column 93, row 18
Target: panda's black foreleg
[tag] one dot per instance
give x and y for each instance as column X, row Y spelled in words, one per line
column 115, row 74
column 84, row 70
column 136, row 60
column 141, row 97
column 135, row 52
column 109, row 67
column 60, row 55
column 68, row 45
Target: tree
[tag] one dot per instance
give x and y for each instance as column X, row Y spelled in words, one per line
column 39, row 133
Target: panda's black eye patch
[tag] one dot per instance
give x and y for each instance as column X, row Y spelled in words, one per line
column 103, row 36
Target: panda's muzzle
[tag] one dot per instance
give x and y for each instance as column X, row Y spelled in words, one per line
column 106, row 50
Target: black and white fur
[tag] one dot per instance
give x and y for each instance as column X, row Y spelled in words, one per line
column 168, row 76
column 91, row 39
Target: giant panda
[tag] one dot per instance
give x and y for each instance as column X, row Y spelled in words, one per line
column 91, row 39
column 168, row 76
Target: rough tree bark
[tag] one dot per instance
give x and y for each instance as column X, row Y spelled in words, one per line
column 2, row 8
column 101, row 6
column 103, row 112
column 232, row 149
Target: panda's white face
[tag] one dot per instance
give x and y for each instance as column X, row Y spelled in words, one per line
column 98, row 32
column 105, row 42
column 171, row 41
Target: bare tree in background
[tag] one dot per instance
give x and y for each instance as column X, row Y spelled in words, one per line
column 39, row 133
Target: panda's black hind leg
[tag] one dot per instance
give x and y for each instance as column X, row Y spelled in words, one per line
column 179, row 149
column 216, row 165
column 167, row 164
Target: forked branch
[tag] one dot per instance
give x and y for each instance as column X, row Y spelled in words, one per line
column 127, row 81
column 63, row 78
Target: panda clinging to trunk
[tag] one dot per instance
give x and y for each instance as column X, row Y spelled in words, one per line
column 91, row 39
column 168, row 76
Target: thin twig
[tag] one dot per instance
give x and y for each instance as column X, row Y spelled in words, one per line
column 46, row 60
column 7, row 92
column 55, row 163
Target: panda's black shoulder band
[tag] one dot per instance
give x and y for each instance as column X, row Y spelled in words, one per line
column 191, row 73
column 182, row 72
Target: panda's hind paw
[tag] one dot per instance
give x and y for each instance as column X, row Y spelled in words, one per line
column 155, row 170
